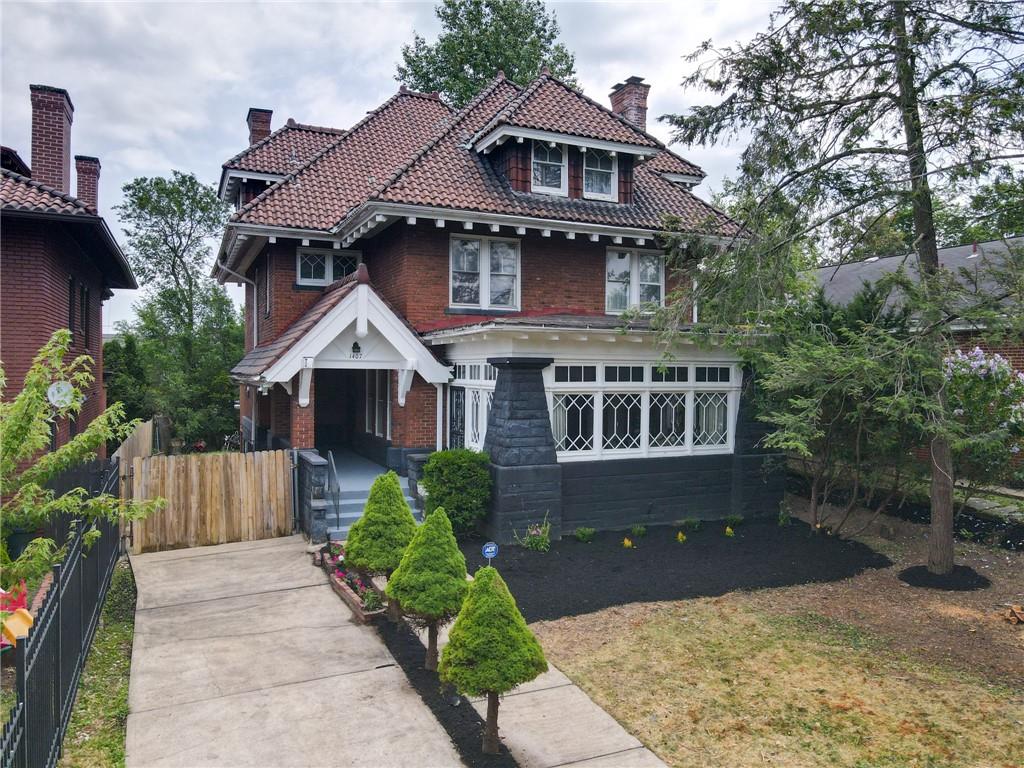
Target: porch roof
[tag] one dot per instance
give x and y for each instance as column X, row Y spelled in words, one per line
column 347, row 302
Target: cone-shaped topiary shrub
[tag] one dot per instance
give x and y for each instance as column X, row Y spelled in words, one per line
column 490, row 649
column 430, row 583
column 377, row 539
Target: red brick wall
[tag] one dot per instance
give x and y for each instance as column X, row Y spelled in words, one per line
column 303, row 425
column 411, row 271
column 414, row 425
column 38, row 258
column 280, row 412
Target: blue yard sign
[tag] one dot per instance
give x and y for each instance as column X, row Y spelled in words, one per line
column 490, row 550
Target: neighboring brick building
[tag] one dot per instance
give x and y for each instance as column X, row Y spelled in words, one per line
column 433, row 278
column 58, row 259
column 970, row 263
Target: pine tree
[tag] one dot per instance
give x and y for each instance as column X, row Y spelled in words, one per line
column 377, row 539
column 855, row 110
column 430, row 583
column 490, row 649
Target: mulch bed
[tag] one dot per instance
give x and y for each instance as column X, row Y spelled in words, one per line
column 575, row 578
column 961, row 579
column 462, row 723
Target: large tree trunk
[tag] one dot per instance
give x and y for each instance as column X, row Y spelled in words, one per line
column 491, row 742
column 940, row 547
column 431, row 662
column 940, row 544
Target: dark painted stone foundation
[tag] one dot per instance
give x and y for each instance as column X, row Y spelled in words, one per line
column 526, row 473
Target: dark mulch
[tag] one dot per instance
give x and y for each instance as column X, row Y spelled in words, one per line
column 464, row 726
column 961, row 579
column 574, row 578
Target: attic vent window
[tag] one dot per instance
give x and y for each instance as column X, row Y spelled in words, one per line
column 600, row 175
column 550, row 174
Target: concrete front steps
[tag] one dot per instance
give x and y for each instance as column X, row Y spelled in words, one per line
column 350, row 509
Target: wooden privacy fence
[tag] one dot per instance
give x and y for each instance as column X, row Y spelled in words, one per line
column 138, row 443
column 212, row 498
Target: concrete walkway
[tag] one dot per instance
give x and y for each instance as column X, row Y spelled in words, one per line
column 551, row 722
column 243, row 656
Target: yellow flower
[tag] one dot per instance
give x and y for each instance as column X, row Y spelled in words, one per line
column 729, row 531
column 627, row 543
column 680, row 537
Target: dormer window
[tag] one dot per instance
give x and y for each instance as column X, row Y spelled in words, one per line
column 600, row 175
column 550, row 174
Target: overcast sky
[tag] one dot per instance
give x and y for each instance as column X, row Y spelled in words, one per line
column 161, row 86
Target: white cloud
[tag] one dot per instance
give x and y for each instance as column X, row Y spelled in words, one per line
column 158, row 86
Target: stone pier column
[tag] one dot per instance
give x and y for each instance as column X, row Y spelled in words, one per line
column 526, row 473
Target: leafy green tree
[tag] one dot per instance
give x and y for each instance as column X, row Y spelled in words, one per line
column 459, row 480
column 490, row 649
column 855, row 109
column 189, row 334
column 378, row 539
column 26, row 467
column 126, row 376
column 430, row 582
column 480, row 37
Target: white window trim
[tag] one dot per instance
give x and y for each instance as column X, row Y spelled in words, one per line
column 600, row 388
column 485, row 274
column 485, row 387
column 634, row 277
column 613, row 196
column 328, row 254
column 563, row 190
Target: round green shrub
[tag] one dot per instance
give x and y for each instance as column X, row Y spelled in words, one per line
column 430, row 583
column 490, row 649
column 377, row 540
column 460, row 481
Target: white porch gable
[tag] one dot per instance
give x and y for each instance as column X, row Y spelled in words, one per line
column 361, row 332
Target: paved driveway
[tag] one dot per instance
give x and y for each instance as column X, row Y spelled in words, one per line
column 244, row 656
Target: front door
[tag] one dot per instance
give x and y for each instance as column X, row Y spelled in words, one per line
column 457, row 418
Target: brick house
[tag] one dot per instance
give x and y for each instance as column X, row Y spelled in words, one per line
column 435, row 278
column 59, row 259
column 970, row 264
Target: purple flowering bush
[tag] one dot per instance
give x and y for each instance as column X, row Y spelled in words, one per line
column 985, row 397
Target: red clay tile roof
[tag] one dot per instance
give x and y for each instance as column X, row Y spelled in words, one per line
column 259, row 359
column 285, row 150
column 412, row 151
column 548, row 104
column 340, row 176
column 20, row 193
column 669, row 162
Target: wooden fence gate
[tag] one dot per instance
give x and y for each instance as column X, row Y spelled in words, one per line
column 212, row 498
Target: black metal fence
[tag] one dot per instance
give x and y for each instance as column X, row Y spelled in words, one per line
column 48, row 663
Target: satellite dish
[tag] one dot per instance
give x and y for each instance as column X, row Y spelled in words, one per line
column 60, row 394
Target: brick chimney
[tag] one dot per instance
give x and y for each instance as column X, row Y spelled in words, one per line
column 52, row 112
column 629, row 100
column 258, row 121
column 88, row 172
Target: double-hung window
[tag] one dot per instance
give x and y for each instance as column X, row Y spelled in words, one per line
column 317, row 266
column 633, row 279
column 550, row 173
column 484, row 273
column 600, row 175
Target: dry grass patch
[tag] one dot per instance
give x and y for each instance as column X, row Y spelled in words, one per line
column 721, row 681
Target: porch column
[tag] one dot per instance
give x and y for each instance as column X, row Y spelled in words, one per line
column 527, row 476
column 303, row 424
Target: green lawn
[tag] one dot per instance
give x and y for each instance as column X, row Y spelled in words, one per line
column 95, row 737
